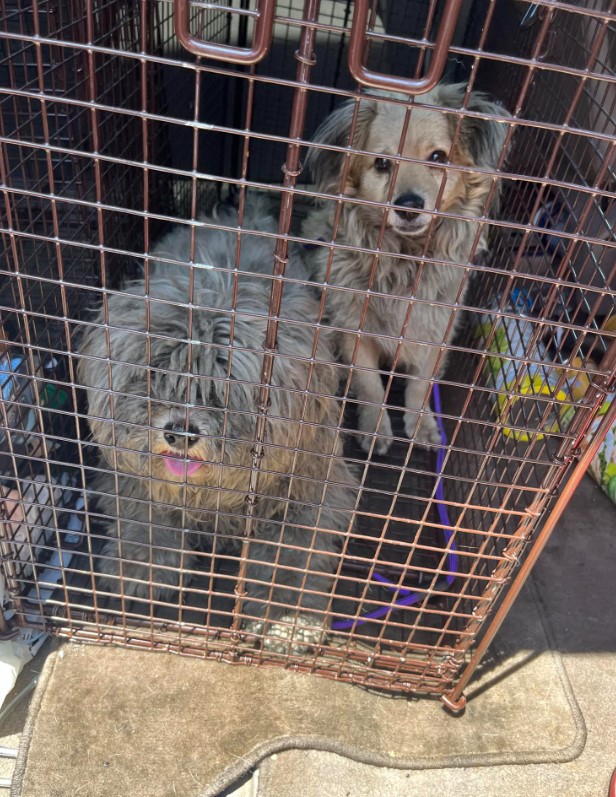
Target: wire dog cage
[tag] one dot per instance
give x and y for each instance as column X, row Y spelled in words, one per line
column 122, row 122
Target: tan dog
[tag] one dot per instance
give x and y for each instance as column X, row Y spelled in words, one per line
column 423, row 183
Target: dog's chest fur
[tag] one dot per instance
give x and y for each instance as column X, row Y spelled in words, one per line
column 406, row 300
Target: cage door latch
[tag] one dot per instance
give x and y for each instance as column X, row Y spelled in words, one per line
column 378, row 80
column 261, row 40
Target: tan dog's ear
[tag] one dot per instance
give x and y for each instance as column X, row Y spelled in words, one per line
column 326, row 166
column 482, row 139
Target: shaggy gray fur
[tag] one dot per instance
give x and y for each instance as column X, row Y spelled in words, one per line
column 430, row 324
column 168, row 363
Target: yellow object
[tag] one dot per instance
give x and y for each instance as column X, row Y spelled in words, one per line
column 512, row 369
column 610, row 324
column 532, row 386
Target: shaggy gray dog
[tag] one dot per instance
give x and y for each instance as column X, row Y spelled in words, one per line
column 422, row 183
column 172, row 387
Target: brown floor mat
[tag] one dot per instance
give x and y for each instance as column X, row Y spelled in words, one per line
column 107, row 721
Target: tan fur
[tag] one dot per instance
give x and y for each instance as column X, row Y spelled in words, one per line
column 408, row 237
column 428, row 132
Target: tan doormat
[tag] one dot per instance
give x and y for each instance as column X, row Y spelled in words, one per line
column 110, row 722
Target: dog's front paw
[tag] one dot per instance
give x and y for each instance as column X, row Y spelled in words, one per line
column 136, row 572
column 295, row 634
column 367, row 423
column 424, row 432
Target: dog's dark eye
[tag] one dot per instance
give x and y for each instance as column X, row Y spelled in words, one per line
column 382, row 164
column 438, row 156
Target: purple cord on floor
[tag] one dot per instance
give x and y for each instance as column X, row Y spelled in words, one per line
column 409, row 598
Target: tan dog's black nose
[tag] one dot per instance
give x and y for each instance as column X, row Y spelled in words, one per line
column 408, row 203
column 179, row 435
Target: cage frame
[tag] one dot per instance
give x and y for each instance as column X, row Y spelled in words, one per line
column 572, row 455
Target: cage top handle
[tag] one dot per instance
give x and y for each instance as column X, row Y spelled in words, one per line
column 261, row 39
column 378, row 80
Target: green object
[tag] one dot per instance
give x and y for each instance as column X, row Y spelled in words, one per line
column 53, row 396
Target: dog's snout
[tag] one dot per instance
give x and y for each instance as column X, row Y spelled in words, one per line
column 179, row 435
column 407, row 203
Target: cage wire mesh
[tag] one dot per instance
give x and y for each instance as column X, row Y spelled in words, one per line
column 158, row 230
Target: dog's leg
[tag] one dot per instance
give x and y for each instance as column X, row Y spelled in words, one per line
column 288, row 587
column 421, row 428
column 133, row 561
column 368, row 388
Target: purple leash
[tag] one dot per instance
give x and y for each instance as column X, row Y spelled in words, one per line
column 407, row 597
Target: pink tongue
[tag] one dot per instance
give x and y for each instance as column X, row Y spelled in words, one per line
column 182, row 467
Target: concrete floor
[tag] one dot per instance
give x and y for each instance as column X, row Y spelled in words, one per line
column 575, row 584
column 574, row 581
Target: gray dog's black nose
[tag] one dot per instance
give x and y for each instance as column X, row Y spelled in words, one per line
column 179, row 435
column 407, row 203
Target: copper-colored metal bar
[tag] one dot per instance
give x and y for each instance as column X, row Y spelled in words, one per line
column 378, row 80
column 262, row 36
column 539, row 64
column 9, row 573
column 291, row 171
column 455, row 698
column 266, row 80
